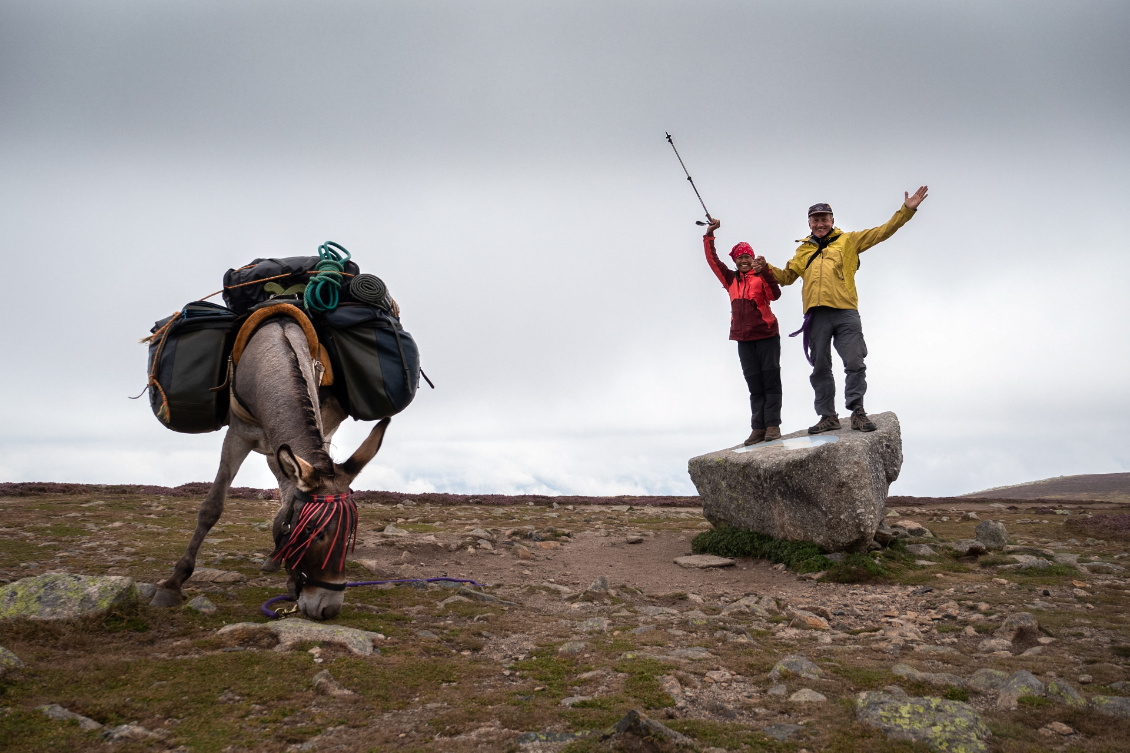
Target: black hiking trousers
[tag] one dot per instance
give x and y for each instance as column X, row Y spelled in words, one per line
column 761, row 366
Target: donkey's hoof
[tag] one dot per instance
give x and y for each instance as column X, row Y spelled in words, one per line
column 165, row 598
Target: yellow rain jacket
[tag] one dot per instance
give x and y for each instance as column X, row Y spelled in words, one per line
column 829, row 276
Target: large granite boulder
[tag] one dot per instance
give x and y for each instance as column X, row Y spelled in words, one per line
column 830, row 489
column 66, row 596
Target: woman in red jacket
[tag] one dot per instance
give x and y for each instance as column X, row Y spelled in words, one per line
column 753, row 325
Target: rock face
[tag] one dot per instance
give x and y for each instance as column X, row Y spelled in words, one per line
column 829, row 489
column 992, row 534
column 65, row 596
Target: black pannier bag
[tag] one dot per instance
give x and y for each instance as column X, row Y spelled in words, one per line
column 188, row 356
column 263, row 279
column 376, row 363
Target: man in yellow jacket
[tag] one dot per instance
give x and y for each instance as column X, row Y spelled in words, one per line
column 827, row 261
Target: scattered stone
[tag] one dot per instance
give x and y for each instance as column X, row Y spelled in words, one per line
column 795, row 664
column 912, row 527
column 971, row 516
column 926, row 648
column 1021, row 629
column 1018, row 684
column 968, row 548
column 133, row 732
column 634, row 539
column 986, row 680
column 940, row 724
column 325, row 682
column 1111, row 705
column 781, row 732
column 594, row 625
column 1064, row 692
column 212, row 575
column 806, row 695
column 940, row 679
column 294, row 631
column 55, row 711
column 1026, row 562
column 9, row 660
column 992, row 645
column 636, row 732
column 572, row 647
column 695, row 653
column 145, row 591
column 808, row 621
column 703, row 561
column 778, row 690
column 1101, row 567
column 574, row 699
column 65, row 596
column 201, row 604
column 920, row 550
column 992, row 534
column 805, row 488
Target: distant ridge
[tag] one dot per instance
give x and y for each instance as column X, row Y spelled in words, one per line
column 1098, row 487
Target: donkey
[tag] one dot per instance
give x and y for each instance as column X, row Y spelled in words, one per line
column 279, row 411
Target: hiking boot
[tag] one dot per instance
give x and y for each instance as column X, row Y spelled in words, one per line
column 772, row 433
column 826, row 423
column 757, row 435
column 860, row 421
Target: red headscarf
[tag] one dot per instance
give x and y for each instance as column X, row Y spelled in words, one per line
column 741, row 248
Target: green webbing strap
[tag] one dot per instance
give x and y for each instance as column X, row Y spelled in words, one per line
column 324, row 287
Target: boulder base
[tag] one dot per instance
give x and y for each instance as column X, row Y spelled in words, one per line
column 830, row 489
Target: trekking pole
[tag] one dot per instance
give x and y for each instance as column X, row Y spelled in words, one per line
column 696, row 193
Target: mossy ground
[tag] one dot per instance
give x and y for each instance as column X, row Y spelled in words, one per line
column 167, row 670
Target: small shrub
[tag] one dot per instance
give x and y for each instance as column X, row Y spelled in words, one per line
column 1034, row 701
column 725, row 541
column 857, row 568
column 956, row 694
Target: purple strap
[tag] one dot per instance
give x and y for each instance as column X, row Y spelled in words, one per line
column 806, row 328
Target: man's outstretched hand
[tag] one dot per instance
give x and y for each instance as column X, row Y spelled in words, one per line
column 912, row 202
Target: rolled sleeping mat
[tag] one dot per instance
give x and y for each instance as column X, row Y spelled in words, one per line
column 370, row 289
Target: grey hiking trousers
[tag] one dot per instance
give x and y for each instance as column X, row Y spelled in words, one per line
column 844, row 329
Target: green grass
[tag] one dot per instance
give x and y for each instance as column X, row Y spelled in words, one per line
column 725, row 541
column 642, row 682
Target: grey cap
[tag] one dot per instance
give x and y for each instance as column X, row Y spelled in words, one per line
column 819, row 209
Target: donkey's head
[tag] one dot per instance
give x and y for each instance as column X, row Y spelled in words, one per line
column 317, row 524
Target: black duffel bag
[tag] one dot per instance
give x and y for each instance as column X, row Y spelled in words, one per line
column 376, row 364
column 188, row 356
column 247, row 286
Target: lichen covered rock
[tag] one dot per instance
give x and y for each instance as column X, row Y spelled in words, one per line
column 944, row 726
column 66, row 596
column 1112, row 705
column 830, row 490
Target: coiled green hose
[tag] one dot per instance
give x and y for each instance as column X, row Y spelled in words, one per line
column 324, row 289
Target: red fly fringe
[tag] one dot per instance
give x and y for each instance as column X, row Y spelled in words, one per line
column 317, row 513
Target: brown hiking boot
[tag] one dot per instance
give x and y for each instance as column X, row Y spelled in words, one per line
column 757, row 435
column 772, row 433
column 826, row 423
column 860, row 421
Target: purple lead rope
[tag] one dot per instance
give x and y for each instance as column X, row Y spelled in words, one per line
column 806, row 327
column 275, row 615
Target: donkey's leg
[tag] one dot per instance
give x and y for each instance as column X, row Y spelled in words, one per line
column 235, row 451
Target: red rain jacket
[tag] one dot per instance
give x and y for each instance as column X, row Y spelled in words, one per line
column 750, row 295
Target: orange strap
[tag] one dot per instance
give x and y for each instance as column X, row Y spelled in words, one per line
column 317, row 352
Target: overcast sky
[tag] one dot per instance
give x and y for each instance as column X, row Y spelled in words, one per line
column 503, row 167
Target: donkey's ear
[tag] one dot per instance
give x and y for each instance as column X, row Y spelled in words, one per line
column 298, row 470
column 367, row 451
